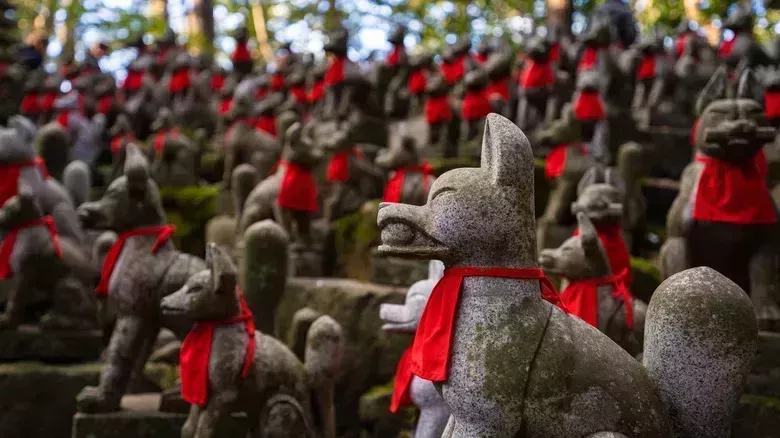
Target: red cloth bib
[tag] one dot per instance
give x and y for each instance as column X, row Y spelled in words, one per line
column 134, row 80
column 162, row 136
column 417, row 82
column 9, row 240
column 581, row 297
column 437, row 109
column 224, row 106
column 679, row 45
column 395, row 55
column 163, row 233
column 217, row 82
column 47, row 103
column 452, row 72
column 589, row 106
column 180, row 81
column 772, row 104
column 476, row 105
column 118, row 142
column 338, row 168
column 241, row 54
column 41, row 165
column 104, row 104
column 266, row 124
column 555, row 52
column 30, row 105
column 536, row 74
column 277, row 81
column 555, row 163
column 298, row 92
column 335, row 73
column 726, row 47
column 611, row 237
column 481, row 58
column 9, row 180
column 589, row 59
column 261, row 93
column 317, row 91
column 298, row 190
column 395, row 185
column 732, row 193
column 646, row 68
column 196, row 351
column 63, row 119
column 500, row 88
column 433, row 340
column 401, row 397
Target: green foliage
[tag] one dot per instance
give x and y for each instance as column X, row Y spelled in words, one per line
column 190, row 209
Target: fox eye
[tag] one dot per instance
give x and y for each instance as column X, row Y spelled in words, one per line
column 442, row 191
column 194, row 289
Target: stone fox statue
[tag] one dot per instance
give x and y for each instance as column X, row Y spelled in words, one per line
column 140, row 268
column 724, row 216
column 509, row 362
column 409, row 389
column 594, row 292
column 226, row 364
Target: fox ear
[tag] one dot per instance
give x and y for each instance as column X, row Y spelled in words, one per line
column 750, row 88
column 591, row 176
column 714, row 90
column 136, row 168
column 223, row 273
column 591, row 244
column 506, row 154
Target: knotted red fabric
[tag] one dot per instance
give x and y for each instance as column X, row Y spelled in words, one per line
column 63, row 119
column 394, row 186
column 437, row 109
column 555, row 52
column 261, row 93
column 163, row 233
column 297, row 191
column 180, row 81
column 30, row 105
column 134, row 80
column 266, row 124
column 118, row 142
column 9, row 179
column 481, row 58
column 338, row 168
column 772, row 104
column 433, row 340
column 224, row 105
column 9, row 240
column 162, row 136
column 104, row 104
column 732, row 193
column 277, row 81
column 611, row 237
column 317, row 91
column 217, row 81
column 417, row 82
column 298, row 92
column 726, row 47
column 41, row 165
column 500, row 88
column 555, row 163
column 646, row 68
column 476, row 105
column 679, row 45
column 536, row 74
column 47, row 102
column 453, row 71
column 589, row 106
column 335, row 73
column 241, row 54
column 401, row 397
column 589, row 59
column 395, row 55
column 581, row 297
column 196, row 351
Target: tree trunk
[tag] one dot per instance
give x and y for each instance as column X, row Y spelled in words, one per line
column 158, row 11
column 261, row 31
column 559, row 15
column 68, row 34
column 204, row 12
column 331, row 16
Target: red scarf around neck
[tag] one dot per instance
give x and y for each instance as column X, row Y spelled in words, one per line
column 335, row 73
column 163, row 233
column 180, row 81
column 402, row 397
column 224, row 106
column 9, row 240
column 161, row 136
column 679, row 45
column 241, row 54
column 555, row 52
column 297, row 191
column 395, row 55
column 476, row 105
column 394, row 186
column 118, row 142
column 589, row 59
column 453, row 71
column 133, row 81
column 63, row 119
column 536, row 74
column 732, row 193
column 9, row 179
column 41, row 165
column 726, row 47
column 298, row 92
column 500, row 88
column 317, row 91
column 772, row 104
column 277, row 81
column 196, row 351
column 417, row 82
column 104, row 104
column 433, row 340
column 581, row 297
column 437, row 109
column 555, row 163
column 611, row 237
column 47, row 103
column 30, row 105
column 481, row 58
column 217, row 82
column 261, row 93
column 338, row 168
column 266, row 124
column 647, row 67
column 589, row 106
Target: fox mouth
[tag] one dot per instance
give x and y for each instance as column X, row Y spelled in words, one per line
column 401, row 238
column 397, row 318
column 548, row 264
column 171, row 310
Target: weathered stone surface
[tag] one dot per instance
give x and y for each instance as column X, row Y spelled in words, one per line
column 395, row 271
column 264, row 270
column 370, row 355
column 32, row 343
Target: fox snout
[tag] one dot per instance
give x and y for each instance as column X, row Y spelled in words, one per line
column 548, row 260
column 404, row 232
column 175, row 303
column 91, row 215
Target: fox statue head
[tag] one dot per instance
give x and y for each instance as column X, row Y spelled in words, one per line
column 474, row 216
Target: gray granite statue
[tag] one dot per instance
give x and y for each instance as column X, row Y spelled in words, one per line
column 537, row 101
column 409, row 389
column 508, row 361
column 724, row 216
column 244, row 143
column 140, row 268
column 175, row 157
column 410, row 178
column 226, row 364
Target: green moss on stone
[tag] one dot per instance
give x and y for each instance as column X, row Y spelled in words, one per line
column 646, row 267
column 769, row 402
column 189, row 209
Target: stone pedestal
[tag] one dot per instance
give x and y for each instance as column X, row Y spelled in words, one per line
column 395, row 271
column 758, row 414
column 139, row 418
column 56, row 346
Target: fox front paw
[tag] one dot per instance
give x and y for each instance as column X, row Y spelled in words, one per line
column 92, row 399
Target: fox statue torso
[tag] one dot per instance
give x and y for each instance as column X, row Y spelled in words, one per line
column 509, row 362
